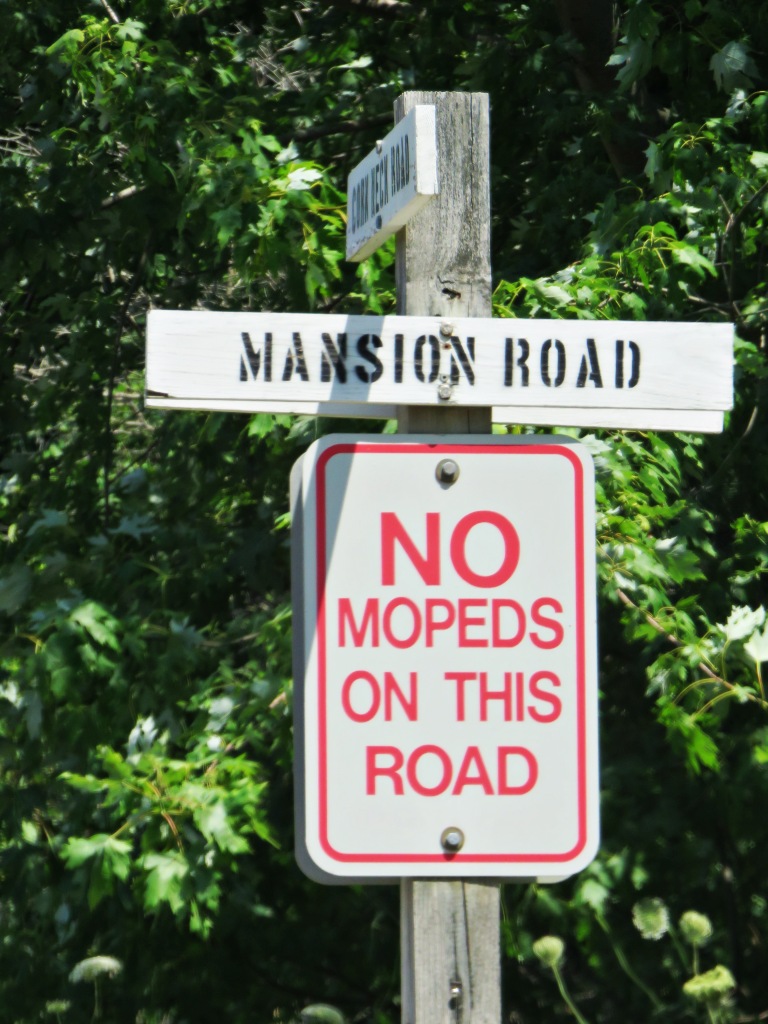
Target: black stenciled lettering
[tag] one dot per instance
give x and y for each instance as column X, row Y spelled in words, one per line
column 634, row 376
column 397, row 167
column 522, row 362
column 295, row 359
column 545, row 374
column 465, row 359
column 355, row 212
column 398, row 365
column 407, row 161
column 334, row 356
column 591, row 372
column 360, row 205
column 253, row 357
column 418, row 358
column 508, row 362
column 364, row 345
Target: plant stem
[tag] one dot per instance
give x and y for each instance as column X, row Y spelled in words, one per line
column 566, row 995
column 681, row 952
column 625, row 966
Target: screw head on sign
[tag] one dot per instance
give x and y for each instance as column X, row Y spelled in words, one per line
column 446, row 329
column 444, row 391
column 447, row 471
column 452, row 839
column 379, row 145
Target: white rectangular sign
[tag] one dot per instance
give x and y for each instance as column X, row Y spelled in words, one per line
column 392, row 183
column 612, row 373
column 444, row 599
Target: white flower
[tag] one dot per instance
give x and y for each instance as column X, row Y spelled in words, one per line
column 94, row 966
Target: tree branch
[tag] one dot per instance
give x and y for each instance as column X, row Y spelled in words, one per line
column 669, row 637
column 110, row 12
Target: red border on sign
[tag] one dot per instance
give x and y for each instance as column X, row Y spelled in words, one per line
column 346, row 448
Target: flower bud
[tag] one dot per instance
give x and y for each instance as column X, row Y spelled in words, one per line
column 549, row 949
column 696, row 928
column 651, row 917
column 710, row 986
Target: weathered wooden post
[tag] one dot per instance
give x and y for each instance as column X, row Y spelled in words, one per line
column 449, row 930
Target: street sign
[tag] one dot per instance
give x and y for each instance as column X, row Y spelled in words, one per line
column 573, row 372
column 395, row 180
column 445, row 657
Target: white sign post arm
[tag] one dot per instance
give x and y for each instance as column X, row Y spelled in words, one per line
column 450, row 952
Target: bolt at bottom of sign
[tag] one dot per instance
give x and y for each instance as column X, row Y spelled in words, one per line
column 444, row 391
column 454, row 1002
column 452, row 839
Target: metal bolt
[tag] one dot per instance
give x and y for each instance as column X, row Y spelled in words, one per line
column 444, row 390
column 447, row 471
column 454, row 1001
column 446, row 328
column 379, row 145
column 452, row 839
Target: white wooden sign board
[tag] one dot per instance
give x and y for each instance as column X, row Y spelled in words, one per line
column 392, row 183
column 445, row 657
column 573, row 372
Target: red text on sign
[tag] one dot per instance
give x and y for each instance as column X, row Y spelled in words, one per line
column 430, row 771
column 428, row 563
column 466, row 622
column 361, row 696
column 510, row 697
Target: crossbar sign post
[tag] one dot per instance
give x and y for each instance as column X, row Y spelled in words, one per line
column 651, row 375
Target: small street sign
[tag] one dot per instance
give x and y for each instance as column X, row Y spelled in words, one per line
column 445, row 657
column 573, row 372
column 395, row 180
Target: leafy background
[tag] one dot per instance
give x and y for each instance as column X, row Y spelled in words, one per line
column 193, row 153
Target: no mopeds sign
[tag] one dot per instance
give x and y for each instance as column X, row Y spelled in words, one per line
column 445, row 657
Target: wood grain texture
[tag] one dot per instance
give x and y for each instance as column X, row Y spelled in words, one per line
column 449, row 933
column 450, row 954
column 443, row 259
column 443, row 255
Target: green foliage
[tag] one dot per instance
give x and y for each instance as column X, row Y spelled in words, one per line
column 193, row 154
